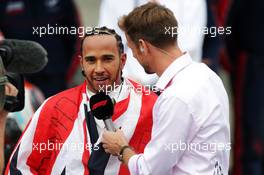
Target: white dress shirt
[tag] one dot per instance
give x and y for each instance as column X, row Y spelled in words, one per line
column 191, row 134
column 191, row 17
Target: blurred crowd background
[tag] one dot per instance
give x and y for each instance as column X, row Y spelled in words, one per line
column 236, row 55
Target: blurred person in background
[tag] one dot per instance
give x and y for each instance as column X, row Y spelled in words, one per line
column 16, row 122
column 191, row 15
column 6, row 88
column 245, row 48
column 18, row 19
column 213, row 46
column 10, row 90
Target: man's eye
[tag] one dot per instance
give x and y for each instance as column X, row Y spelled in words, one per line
column 108, row 58
column 88, row 59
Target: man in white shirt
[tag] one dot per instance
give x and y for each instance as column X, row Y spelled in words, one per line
column 191, row 17
column 191, row 133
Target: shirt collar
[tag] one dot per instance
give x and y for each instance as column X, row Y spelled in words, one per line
column 172, row 70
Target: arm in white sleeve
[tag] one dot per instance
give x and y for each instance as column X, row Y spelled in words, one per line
column 171, row 125
column 191, row 25
column 104, row 18
column 110, row 12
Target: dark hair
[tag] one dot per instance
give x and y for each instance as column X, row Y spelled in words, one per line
column 149, row 22
column 105, row 31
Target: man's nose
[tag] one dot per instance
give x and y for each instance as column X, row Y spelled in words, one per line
column 99, row 68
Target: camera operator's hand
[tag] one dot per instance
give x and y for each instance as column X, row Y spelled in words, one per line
column 10, row 90
column 1, row 36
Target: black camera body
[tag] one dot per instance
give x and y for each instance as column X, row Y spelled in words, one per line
column 14, row 104
column 18, row 57
column 11, row 103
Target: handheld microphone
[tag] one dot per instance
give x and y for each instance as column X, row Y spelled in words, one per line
column 22, row 57
column 102, row 108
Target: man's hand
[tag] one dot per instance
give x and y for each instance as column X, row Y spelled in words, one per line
column 113, row 141
column 10, row 90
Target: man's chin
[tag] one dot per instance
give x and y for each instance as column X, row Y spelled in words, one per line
column 149, row 72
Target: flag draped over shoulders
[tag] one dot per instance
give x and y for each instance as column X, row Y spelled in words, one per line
column 57, row 141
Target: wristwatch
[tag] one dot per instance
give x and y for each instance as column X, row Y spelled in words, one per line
column 120, row 155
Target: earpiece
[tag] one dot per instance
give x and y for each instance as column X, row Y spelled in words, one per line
column 141, row 49
column 83, row 73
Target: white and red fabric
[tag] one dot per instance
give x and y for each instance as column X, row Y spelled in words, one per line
column 60, row 122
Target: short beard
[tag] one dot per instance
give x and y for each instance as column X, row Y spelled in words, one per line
column 106, row 88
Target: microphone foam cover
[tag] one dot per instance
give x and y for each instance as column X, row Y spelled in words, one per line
column 24, row 56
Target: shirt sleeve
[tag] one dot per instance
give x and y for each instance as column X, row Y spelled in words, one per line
column 171, row 125
column 104, row 18
column 191, row 26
